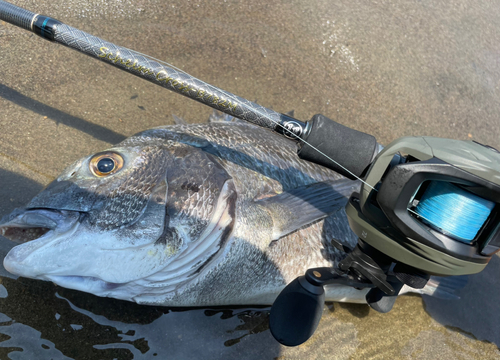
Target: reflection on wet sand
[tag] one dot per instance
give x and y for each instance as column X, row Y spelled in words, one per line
column 41, row 319
column 83, row 326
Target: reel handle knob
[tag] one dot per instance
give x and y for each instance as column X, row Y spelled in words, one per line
column 296, row 313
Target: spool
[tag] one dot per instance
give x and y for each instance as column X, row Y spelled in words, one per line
column 453, row 211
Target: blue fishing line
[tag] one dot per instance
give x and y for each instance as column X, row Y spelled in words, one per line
column 453, row 211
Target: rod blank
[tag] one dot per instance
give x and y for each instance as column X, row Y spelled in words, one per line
column 16, row 15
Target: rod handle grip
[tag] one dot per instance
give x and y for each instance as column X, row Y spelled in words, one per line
column 352, row 150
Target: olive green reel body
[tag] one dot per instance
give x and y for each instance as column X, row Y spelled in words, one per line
column 427, row 206
column 383, row 214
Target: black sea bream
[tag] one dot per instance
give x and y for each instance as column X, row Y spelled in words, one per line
column 186, row 215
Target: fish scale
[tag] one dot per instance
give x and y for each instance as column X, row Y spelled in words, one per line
column 206, row 214
column 127, row 201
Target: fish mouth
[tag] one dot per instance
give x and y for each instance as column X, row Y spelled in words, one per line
column 41, row 227
column 38, row 227
column 23, row 234
column 25, row 225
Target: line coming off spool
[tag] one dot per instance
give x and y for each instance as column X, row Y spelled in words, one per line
column 453, row 211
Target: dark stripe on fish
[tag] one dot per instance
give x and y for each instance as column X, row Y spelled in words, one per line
column 169, row 235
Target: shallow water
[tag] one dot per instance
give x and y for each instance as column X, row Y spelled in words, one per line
column 388, row 68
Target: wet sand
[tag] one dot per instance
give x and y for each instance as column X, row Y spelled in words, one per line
column 388, row 68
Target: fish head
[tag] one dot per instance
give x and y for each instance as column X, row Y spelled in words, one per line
column 136, row 219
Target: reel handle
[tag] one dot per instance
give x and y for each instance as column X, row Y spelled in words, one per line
column 296, row 312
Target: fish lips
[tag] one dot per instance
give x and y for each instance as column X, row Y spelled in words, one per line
column 63, row 224
column 34, row 228
column 23, row 225
column 53, row 248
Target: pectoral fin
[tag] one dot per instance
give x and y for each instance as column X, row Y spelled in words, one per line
column 301, row 206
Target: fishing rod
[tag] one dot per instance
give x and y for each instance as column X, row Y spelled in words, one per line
column 427, row 206
column 311, row 134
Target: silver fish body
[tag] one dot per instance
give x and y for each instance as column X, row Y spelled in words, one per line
column 198, row 215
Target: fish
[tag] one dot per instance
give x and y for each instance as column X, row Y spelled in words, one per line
column 213, row 214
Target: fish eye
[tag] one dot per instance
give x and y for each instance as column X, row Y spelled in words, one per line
column 105, row 164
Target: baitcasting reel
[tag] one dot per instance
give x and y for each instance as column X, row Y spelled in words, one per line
column 427, row 206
